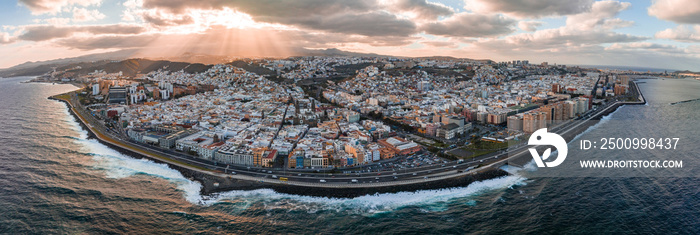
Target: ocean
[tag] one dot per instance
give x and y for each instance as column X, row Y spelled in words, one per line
column 56, row 180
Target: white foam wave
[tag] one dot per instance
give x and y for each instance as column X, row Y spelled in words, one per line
column 433, row 200
column 117, row 165
column 73, row 123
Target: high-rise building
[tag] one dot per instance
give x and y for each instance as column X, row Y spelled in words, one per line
column 556, row 88
column 620, row 89
column 529, row 123
column 515, row 123
column 624, row 80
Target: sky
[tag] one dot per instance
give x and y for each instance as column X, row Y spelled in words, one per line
column 655, row 34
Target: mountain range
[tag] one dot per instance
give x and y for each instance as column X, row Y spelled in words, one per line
column 130, row 62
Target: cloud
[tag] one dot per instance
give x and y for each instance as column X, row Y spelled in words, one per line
column 471, row 25
column 368, row 24
column 53, row 21
column 423, row 9
column 108, row 42
column 48, row 32
column 268, row 8
column 682, row 33
column 679, row 11
column 159, row 19
column 447, row 44
column 562, row 37
column 529, row 26
column 529, row 8
column 600, row 16
column 5, row 38
column 54, row 6
column 362, row 17
column 219, row 40
column 82, row 15
column 645, row 46
column 586, row 30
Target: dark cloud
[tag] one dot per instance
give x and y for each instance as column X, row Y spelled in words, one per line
column 230, row 41
column 48, row 32
column 108, row 42
column 353, row 17
column 424, row 9
column 471, row 25
column 158, row 19
column 530, row 8
column 282, row 9
column 368, row 24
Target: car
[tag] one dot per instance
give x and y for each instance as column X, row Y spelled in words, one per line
column 415, row 173
column 274, row 176
column 269, row 172
column 376, row 178
column 353, row 181
column 322, row 181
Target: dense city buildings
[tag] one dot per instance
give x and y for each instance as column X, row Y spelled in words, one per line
column 229, row 115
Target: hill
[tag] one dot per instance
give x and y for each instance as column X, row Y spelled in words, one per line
column 125, row 61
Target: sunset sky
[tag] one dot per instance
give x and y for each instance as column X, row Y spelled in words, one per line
column 656, row 34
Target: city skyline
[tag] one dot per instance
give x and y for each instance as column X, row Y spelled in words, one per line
column 655, row 34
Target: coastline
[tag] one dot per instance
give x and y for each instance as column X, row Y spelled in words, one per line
column 210, row 179
column 215, row 182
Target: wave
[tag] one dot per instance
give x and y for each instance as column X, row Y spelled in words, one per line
column 73, row 123
column 117, row 165
column 432, row 200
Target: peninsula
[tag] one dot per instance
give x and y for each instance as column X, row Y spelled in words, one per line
column 313, row 126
